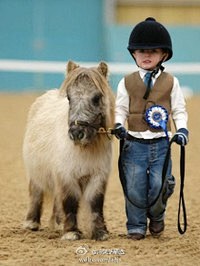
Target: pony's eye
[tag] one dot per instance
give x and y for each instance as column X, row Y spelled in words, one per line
column 96, row 100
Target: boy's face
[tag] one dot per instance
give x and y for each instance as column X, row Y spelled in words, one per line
column 149, row 58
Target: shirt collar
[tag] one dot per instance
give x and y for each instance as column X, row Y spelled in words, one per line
column 142, row 73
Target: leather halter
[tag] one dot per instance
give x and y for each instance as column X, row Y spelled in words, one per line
column 100, row 129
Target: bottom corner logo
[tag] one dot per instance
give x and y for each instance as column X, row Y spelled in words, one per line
column 82, row 250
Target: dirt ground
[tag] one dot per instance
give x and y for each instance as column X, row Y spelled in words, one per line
column 19, row 247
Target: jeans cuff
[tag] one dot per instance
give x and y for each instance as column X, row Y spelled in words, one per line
column 137, row 230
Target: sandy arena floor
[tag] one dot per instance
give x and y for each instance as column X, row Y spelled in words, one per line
column 19, row 247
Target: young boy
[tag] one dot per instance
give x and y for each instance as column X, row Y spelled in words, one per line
column 144, row 148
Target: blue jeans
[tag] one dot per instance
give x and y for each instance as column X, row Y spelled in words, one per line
column 142, row 166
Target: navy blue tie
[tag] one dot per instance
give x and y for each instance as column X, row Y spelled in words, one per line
column 147, row 79
column 148, row 83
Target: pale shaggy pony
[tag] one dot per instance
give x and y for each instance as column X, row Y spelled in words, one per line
column 66, row 151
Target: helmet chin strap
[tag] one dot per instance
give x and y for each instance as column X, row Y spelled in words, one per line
column 159, row 65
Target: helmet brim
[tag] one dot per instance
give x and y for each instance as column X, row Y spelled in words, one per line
column 146, row 47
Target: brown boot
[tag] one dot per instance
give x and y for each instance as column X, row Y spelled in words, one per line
column 135, row 236
column 156, row 228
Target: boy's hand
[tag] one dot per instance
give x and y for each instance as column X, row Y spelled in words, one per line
column 119, row 131
column 181, row 136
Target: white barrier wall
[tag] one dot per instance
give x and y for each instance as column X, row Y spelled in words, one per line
column 116, row 70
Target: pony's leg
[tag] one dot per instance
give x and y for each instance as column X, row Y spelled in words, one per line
column 99, row 231
column 32, row 221
column 94, row 195
column 70, row 203
column 56, row 216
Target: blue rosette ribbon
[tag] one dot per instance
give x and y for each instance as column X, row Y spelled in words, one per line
column 157, row 117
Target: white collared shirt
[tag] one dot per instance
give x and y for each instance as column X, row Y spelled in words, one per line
column 178, row 111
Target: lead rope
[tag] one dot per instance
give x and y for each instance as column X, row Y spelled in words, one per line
column 181, row 196
column 181, row 205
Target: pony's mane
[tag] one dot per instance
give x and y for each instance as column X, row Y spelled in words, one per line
column 92, row 73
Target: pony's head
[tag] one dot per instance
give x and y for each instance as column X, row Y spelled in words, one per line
column 91, row 102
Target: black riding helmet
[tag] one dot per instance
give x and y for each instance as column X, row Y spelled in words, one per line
column 150, row 34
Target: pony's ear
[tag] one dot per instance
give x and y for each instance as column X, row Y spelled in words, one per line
column 71, row 66
column 103, row 69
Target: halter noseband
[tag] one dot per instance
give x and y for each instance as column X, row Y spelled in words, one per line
column 100, row 129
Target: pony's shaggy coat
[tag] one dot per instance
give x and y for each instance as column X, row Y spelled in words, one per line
column 64, row 153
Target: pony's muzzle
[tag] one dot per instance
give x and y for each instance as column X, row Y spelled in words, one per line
column 82, row 134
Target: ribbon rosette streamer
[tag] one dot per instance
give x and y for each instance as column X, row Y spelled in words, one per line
column 157, row 117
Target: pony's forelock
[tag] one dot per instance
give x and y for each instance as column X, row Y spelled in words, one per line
column 94, row 75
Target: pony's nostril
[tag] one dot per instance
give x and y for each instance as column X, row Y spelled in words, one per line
column 76, row 134
column 80, row 135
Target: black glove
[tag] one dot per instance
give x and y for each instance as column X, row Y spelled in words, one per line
column 119, row 131
column 181, row 136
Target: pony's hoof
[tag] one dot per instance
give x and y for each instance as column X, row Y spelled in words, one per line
column 33, row 226
column 100, row 235
column 72, row 235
